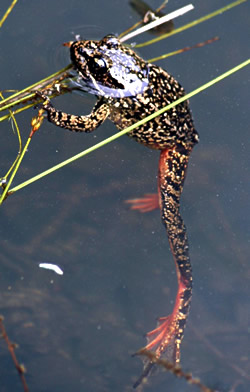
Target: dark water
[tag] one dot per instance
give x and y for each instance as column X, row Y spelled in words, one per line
column 77, row 332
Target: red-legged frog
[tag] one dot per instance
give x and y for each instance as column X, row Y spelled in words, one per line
column 129, row 89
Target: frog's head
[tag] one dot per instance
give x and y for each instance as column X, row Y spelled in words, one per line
column 108, row 68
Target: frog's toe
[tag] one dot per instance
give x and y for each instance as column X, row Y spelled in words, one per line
column 146, row 203
column 41, row 95
column 45, row 104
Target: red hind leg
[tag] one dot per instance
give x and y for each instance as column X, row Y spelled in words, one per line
column 167, row 336
column 147, row 203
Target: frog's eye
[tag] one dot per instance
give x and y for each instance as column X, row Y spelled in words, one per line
column 96, row 64
column 81, row 51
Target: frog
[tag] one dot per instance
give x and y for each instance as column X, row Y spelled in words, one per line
column 128, row 89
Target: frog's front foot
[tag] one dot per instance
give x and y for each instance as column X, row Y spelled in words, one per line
column 46, row 104
column 52, row 114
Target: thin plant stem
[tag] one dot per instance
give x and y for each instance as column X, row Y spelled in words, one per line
column 19, row 96
column 176, row 370
column 7, row 12
column 6, row 188
column 157, row 22
column 11, row 347
column 19, row 141
column 192, row 24
column 131, row 28
column 3, row 118
column 164, row 56
column 35, row 124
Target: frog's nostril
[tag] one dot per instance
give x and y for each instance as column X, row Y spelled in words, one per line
column 68, row 44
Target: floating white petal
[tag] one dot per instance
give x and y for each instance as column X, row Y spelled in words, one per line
column 52, row 267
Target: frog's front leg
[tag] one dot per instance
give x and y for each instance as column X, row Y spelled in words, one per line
column 76, row 123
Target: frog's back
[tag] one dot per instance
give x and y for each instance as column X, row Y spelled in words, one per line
column 164, row 131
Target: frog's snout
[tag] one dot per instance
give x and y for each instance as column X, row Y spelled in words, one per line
column 68, row 44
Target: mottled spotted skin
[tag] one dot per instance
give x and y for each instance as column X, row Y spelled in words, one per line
column 170, row 330
column 129, row 89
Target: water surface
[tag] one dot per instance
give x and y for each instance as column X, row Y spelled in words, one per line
column 77, row 332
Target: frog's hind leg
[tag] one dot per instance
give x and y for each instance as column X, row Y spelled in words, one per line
column 167, row 336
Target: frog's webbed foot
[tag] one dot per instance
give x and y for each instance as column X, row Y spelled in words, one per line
column 163, row 333
column 165, row 339
column 161, row 340
column 146, row 203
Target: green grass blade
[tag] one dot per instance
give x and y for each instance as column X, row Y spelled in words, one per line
column 7, row 12
column 192, row 24
column 18, row 97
